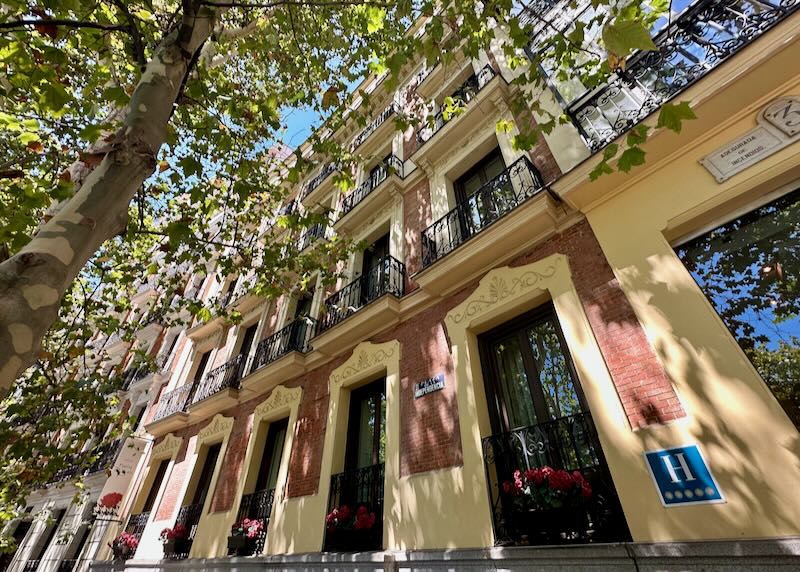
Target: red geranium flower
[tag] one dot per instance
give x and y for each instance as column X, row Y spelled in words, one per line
column 111, row 500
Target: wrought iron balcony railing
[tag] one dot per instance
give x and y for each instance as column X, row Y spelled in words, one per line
column 354, row 489
column 134, row 374
column 391, row 166
column 188, row 516
column 388, row 276
column 310, row 186
column 569, row 443
column 257, row 505
column 223, row 377
column 172, row 402
column 31, row 565
column 493, row 200
column 311, row 235
column 106, row 454
column 700, row 39
column 294, row 337
column 67, row 565
column 390, row 110
column 468, row 90
column 137, row 523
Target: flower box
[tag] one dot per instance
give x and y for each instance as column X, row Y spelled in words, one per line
column 351, row 540
column 176, row 547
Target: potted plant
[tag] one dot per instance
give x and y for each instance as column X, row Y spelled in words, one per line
column 124, row 545
column 174, row 540
column 244, row 535
column 349, row 531
column 549, row 503
column 108, row 505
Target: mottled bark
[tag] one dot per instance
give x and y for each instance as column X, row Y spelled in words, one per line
column 34, row 280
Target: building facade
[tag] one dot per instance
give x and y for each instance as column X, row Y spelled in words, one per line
column 61, row 534
column 522, row 356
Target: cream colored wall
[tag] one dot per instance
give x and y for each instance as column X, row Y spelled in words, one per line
column 281, row 403
column 750, row 444
column 207, row 538
column 149, row 545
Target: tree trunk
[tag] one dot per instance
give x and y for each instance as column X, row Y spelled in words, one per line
column 34, row 280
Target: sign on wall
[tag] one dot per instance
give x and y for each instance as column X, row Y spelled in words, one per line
column 682, row 476
column 429, row 385
column 778, row 127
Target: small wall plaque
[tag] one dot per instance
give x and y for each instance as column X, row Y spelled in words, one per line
column 429, row 385
column 778, row 127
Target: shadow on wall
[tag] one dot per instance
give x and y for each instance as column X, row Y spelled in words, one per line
column 750, row 444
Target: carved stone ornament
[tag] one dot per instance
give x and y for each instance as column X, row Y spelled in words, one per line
column 500, row 284
column 366, row 356
column 219, row 427
column 280, row 397
column 168, row 446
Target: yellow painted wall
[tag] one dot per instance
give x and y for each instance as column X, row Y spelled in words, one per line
column 750, row 444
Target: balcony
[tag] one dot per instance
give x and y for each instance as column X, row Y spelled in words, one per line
column 356, row 489
column 67, row 565
column 218, row 388
column 365, row 299
column 579, row 514
column 170, row 413
column 387, row 176
column 137, row 523
column 134, row 375
column 257, row 505
column 704, row 36
column 377, row 130
column 106, row 454
column 515, row 194
column 316, row 182
column 31, row 565
column 290, row 342
column 445, row 132
column 188, row 516
column 311, row 235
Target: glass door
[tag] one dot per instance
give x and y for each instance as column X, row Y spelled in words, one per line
column 548, row 479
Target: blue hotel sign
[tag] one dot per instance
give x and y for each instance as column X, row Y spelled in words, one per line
column 682, row 476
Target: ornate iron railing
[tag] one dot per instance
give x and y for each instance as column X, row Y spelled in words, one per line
column 257, row 505
column 391, row 166
column 390, row 110
column 311, row 235
column 31, row 565
column 67, row 565
column 137, row 523
column 311, row 185
column 354, row 489
column 223, row 377
column 568, row 443
column 69, row 472
column 294, row 337
column 106, row 455
column 699, row 40
column 132, row 375
column 172, row 402
column 388, row 276
column 188, row 516
column 493, row 200
column 465, row 93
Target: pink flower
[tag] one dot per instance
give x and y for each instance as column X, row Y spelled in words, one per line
column 344, row 513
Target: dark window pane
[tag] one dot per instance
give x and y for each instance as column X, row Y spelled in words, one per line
column 513, row 380
column 749, row 268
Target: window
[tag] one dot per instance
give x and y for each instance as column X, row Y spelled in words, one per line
column 540, row 419
column 201, row 367
column 366, row 431
column 532, row 380
column 247, row 340
column 49, row 532
column 206, row 474
column 485, row 170
column 271, row 458
column 749, row 269
column 156, row 486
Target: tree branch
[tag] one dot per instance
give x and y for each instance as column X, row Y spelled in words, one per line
column 136, row 37
column 14, row 24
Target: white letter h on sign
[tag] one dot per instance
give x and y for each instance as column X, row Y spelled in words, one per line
column 683, row 465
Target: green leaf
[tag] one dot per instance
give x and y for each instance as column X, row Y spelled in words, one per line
column 630, row 158
column 602, row 168
column 622, row 37
column 375, row 18
column 672, row 115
